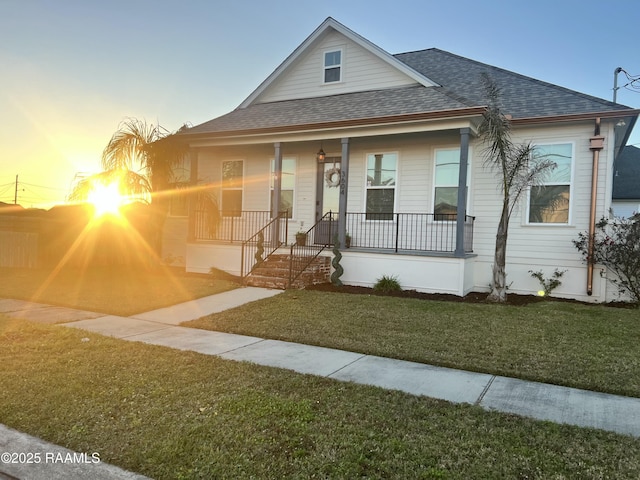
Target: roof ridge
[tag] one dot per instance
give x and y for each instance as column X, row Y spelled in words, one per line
column 519, row 75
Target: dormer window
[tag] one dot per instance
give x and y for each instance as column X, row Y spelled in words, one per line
column 333, row 66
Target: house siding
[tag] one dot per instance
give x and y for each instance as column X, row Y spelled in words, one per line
column 625, row 208
column 361, row 71
column 530, row 247
column 540, row 247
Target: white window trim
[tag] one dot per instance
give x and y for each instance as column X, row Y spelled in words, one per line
column 340, row 65
column 527, row 203
column 295, row 183
column 469, row 172
column 395, row 187
column 223, row 188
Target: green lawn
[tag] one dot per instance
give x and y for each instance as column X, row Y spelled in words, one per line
column 115, row 290
column 180, row 415
column 591, row 347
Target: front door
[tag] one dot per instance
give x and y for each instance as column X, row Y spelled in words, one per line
column 328, row 197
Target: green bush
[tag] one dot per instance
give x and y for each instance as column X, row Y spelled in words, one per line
column 387, row 284
column 616, row 245
column 548, row 284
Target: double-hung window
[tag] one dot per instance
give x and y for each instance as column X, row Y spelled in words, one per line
column 287, row 186
column 381, row 185
column 550, row 201
column 333, row 66
column 232, row 187
column 445, row 197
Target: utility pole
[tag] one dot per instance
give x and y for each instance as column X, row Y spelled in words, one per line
column 15, row 195
column 615, row 83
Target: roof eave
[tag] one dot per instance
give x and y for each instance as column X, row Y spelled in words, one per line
column 574, row 117
column 360, row 122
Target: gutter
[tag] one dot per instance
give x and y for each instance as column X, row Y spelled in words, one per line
column 576, row 117
column 596, row 143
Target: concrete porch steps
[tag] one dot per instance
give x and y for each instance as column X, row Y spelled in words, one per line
column 274, row 273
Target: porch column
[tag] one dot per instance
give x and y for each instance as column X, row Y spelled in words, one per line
column 193, row 197
column 342, row 201
column 277, row 187
column 277, row 179
column 461, row 211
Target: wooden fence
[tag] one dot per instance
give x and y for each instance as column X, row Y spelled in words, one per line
column 69, row 236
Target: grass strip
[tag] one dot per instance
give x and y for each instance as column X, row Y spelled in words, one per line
column 591, row 347
column 181, row 415
column 118, row 290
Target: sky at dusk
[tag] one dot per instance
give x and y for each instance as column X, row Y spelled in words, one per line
column 72, row 70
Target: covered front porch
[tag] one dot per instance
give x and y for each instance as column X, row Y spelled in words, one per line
column 399, row 193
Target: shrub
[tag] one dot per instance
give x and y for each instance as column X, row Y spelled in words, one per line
column 548, row 284
column 616, row 245
column 387, row 284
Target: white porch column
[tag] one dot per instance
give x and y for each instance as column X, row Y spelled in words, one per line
column 193, row 197
column 342, row 201
column 277, row 187
column 277, row 179
column 461, row 212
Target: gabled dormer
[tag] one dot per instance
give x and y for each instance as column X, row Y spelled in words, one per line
column 334, row 60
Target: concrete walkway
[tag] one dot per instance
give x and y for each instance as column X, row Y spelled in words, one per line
column 160, row 327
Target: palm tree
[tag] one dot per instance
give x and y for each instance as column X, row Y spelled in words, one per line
column 147, row 150
column 129, row 183
column 518, row 167
column 139, row 158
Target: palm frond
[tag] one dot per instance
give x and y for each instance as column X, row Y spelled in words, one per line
column 146, row 149
column 130, row 184
column 127, row 148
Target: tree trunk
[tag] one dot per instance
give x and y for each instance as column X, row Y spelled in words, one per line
column 499, row 284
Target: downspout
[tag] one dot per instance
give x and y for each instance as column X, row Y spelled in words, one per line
column 596, row 143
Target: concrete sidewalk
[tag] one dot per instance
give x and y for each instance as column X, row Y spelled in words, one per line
column 531, row 399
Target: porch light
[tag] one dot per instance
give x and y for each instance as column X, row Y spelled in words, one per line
column 320, row 156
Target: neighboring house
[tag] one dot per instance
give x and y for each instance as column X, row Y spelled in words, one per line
column 626, row 183
column 377, row 139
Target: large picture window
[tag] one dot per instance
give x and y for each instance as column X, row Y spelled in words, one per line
column 445, row 197
column 232, row 187
column 287, row 186
column 381, row 185
column 550, row 202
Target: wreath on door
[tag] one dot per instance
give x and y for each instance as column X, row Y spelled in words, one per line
column 332, row 177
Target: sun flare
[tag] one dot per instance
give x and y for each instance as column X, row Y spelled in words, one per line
column 106, row 199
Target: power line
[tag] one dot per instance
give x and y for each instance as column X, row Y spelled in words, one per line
column 633, row 83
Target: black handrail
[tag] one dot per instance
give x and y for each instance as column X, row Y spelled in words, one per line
column 317, row 238
column 407, row 232
column 270, row 237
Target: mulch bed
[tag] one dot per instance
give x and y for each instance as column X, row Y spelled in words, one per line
column 473, row 297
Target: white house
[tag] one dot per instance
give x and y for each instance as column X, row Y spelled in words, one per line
column 626, row 183
column 388, row 144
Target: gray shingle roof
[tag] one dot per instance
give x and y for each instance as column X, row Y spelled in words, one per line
column 626, row 182
column 522, row 97
column 352, row 106
column 461, row 87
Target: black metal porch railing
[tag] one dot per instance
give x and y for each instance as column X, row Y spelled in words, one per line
column 399, row 232
column 229, row 226
column 258, row 247
column 316, row 239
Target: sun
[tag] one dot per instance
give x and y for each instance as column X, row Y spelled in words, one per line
column 106, row 199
